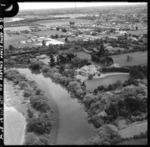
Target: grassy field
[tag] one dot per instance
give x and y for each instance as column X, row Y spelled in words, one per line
column 17, row 28
column 13, row 40
column 134, row 142
column 92, row 84
column 133, row 129
column 138, row 32
column 137, row 59
column 83, row 55
column 61, row 22
column 48, row 33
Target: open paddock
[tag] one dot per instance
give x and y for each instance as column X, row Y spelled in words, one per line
column 62, row 22
column 138, row 58
column 48, row 33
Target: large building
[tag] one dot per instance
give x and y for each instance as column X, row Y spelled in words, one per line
column 87, row 70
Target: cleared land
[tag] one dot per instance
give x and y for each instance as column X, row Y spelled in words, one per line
column 83, row 55
column 133, row 129
column 134, row 142
column 61, row 22
column 138, row 32
column 48, row 33
column 110, row 79
column 138, row 58
column 13, row 40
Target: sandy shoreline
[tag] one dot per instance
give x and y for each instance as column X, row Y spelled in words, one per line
column 13, row 98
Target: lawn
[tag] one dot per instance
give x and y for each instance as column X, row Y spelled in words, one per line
column 17, row 28
column 48, row 33
column 61, row 22
column 92, row 84
column 83, row 55
column 134, row 142
column 133, row 129
column 138, row 32
column 137, row 59
column 13, row 40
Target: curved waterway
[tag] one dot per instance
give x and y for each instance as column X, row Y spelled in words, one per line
column 73, row 125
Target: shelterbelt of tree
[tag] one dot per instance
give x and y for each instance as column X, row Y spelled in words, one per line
column 23, row 53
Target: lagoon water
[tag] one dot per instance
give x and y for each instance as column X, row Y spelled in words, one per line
column 73, row 125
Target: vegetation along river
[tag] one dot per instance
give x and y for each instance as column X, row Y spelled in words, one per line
column 73, row 125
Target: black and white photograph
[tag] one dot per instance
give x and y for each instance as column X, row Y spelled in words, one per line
column 75, row 73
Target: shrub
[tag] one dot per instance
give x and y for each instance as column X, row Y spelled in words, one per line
column 90, row 77
column 23, row 84
column 40, row 125
column 45, row 69
column 39, row 103
column 35, row 65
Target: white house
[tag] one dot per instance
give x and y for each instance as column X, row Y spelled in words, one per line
column 87, row 70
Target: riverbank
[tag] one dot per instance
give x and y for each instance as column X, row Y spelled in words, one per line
column 15, row 113
column 21, row 90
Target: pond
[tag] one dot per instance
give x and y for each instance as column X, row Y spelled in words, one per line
column 73, row 125
column 110, row 79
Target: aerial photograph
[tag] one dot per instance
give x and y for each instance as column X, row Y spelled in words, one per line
column 75, row 73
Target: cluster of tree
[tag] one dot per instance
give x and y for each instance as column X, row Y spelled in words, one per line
column 78, row 63
column 61, row 58
column 40, row 103
column 40, row 125
column 115, row 69
column 76, row 88
column 35, row 65
column 103, row 60
column 54, row 36
column 33, row 139
column 106, row 135
column 138, row 72
column 129, row 104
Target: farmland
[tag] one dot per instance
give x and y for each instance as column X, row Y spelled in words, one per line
column 110, row 79
column 13, row 40
column 48, row 33
column 137, row 59
column 134, row 129
column 62, row 22
column 134, row 142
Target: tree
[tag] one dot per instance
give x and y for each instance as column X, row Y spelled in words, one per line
column 90, row 77
column 57, row 28
column 31, row 139
column 64, row 30
column 39, row 102
column 129, row 58
column 11, row 47
column 66, row 39
column 40, row 125
column 43, row 42
column 52, row 61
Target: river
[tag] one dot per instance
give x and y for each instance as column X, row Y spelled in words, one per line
column 73, row 125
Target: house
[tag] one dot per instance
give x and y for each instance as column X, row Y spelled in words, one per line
column 87, row 70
